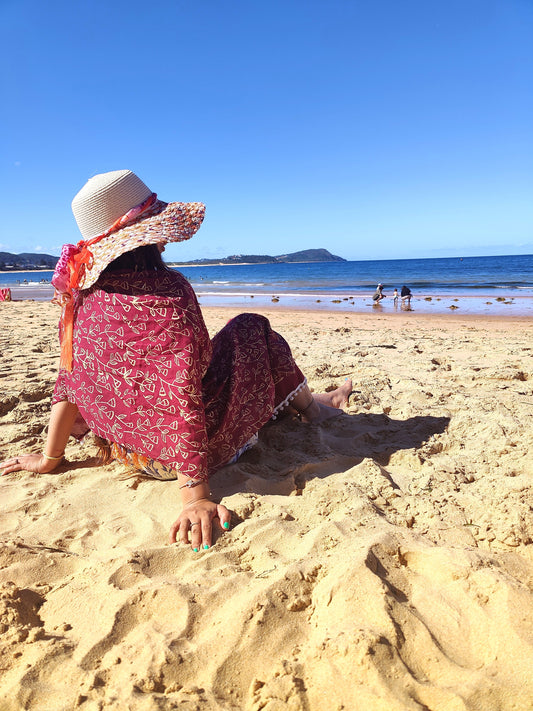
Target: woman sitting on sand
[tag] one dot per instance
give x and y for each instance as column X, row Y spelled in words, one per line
column 138, row 367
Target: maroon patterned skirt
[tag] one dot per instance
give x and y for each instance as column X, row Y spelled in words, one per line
column 252, row 376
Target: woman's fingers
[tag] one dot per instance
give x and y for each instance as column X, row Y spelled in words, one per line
column 197, row 532
column 196, row 528
column 184, row 531
column 173, row 531
column 14, row 464
column 224, row 516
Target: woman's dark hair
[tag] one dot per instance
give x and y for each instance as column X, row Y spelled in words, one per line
column 143, row 259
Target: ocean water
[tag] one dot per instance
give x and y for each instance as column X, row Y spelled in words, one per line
column 490, row 285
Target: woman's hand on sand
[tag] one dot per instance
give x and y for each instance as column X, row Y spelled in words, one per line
column 30, row 463
column 198, row 517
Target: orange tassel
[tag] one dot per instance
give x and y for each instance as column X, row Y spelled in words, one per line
column 80, row 262
column 66, row 333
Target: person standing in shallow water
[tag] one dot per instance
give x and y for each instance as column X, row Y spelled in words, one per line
column 406, row 295
column 378, row 294
column 138, row 367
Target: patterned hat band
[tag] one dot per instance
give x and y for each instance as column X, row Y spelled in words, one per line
column 83, row 258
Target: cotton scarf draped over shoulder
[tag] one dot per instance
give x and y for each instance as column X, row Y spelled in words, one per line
column 147, row 377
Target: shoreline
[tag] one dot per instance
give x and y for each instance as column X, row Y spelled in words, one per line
column 473, row 305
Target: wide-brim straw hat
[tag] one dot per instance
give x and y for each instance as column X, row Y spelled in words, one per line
column 116, row 213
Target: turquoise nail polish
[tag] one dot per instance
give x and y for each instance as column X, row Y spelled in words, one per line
column 206, row 547
column 226, row 524
column 195, row 550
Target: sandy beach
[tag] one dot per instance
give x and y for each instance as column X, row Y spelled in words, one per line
column 382, row 561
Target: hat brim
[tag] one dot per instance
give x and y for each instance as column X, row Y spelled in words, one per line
column 162, row 223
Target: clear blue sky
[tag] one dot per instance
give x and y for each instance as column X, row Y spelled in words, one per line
column 373, row 128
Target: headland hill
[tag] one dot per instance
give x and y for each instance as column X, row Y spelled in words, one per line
column 38, row 262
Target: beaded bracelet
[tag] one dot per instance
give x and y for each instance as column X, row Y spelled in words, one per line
column 193, row 482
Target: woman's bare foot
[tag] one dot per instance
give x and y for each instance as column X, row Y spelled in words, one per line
column 336, row 398
column 322, row 406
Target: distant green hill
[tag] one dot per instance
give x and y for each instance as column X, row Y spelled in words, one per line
column 26, row 261
column 307, row 255
column 310, row 255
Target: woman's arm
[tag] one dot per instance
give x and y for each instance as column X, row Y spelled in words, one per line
column 62, row 416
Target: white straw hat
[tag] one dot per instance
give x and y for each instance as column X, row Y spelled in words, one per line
column 106, row 197
column 116, row 213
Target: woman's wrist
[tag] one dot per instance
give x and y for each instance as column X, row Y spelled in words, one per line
column 48, row 464
column 190, row 494
column 195, row 501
